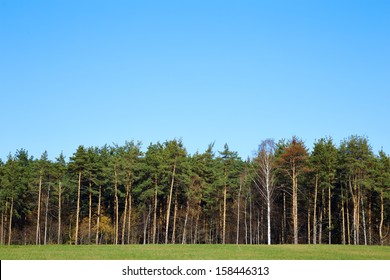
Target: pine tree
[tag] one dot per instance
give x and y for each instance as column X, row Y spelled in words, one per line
column 292, row 160
column 77, row 165
column 59, row 173
column 355, row 153
column 324, row 161
column 382, row 187
column 230, row 168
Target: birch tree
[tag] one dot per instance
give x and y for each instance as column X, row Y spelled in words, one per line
column 264, row 180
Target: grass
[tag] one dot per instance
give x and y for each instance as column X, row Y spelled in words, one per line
column 195, row 252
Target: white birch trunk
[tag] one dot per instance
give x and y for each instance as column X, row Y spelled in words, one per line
column 268, row 175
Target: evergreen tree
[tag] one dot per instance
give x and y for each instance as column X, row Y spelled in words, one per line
column 324, row 162
column 355, row 154
column 59, row 173
column 292, row 160
column 229, row 170
column 382, row 187
column 77, row 165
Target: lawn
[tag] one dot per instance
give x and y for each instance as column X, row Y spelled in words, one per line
column 195, row 252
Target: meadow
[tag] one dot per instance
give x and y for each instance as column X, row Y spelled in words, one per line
column 194, row 252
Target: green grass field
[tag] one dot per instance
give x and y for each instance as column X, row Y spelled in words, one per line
column 195, row 252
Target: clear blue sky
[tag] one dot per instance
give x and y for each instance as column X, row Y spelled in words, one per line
column 97, row 72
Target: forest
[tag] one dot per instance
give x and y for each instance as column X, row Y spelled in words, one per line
column 120, row 194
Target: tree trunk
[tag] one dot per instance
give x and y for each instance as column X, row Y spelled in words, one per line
column 146, row 225
column 343, row 240
column 98, row 216
column 348, row 223
column 320, row 228
column 78, row 209
column 116, row 206
column 124, row 219
column 370, row 221
column 322, row 215
column 160, row 223
column 197, row 221
column 224, row 209
column 184, row 240
column 329, row 214
column 381, row 219
column 258, row 227
column 37, row 235
column 355, row 200
column 155, row 213
column 245, row 221
column 90, row 212
column 2, row 229
column 284, row 219
column 295, row 205
column 125, row 216
column 170, row 202
column 364, row 222
column 4, row 223
column 59, row 212
column 308, row 221
column 250, row 220
column 238, row 213
column 268, row 205
column 174, row 221
column 11, row 211
column 315, row 212
column 262, row 222
column 357, row 224
column 46, row 214
column 129, row 218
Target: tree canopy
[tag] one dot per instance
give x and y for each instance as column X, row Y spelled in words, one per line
column 122, row 194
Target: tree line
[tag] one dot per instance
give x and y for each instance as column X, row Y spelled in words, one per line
column 119, row 194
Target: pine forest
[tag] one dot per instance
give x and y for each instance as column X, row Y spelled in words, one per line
column 119, row 194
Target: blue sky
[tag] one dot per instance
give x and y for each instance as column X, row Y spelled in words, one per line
column 98, row 72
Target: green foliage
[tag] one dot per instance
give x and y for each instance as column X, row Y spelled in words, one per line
column 229, row 167
column 357, row 177
column 324, row 160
